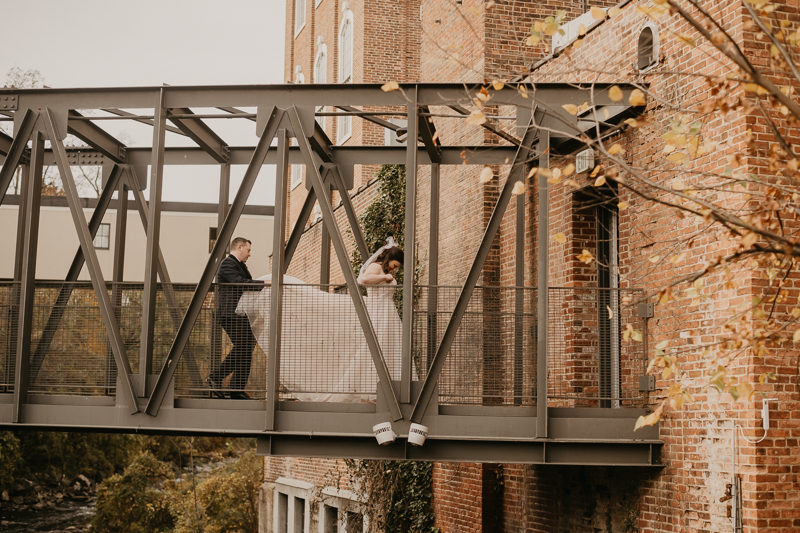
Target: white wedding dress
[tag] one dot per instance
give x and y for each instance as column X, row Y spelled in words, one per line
column 324, row 353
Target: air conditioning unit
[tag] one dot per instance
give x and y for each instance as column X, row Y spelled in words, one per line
column 390, row 136
column 584, row 161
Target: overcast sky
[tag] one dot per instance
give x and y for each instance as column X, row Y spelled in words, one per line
column 111, row 43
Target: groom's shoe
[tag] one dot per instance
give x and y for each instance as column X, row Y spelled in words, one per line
column 239, row 395
column 215, row 388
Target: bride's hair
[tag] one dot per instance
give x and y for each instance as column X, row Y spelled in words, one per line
column 395, row 253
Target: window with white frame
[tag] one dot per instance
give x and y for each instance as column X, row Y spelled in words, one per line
column 102, row 239
column 341, row 512
column 321, row 74
column 345, row 124
column 296, row 170
column 291, row 506
column 299, row 16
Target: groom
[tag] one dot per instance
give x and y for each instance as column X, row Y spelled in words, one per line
column 233, row 270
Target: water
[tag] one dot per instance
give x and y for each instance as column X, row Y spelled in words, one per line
column 68, row 517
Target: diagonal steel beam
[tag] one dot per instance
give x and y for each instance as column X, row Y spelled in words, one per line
column 223, row 237
column 92, row 263
column 60, row 305
column 488, row 125
column 96, row 137
column 517, row 173
column 333, row 171
column 199, row 132
column 375, row 120
column 427, row 131
column 16, row 151
column 341, row 253
column 30, row 238
column 5, row 143
column 149, row 122
column 299, row 227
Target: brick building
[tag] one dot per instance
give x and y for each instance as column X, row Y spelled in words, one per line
column 471, row 41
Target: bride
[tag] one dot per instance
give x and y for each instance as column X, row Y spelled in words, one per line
column 324, row 354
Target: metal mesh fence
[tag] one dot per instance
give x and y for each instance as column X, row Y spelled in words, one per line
column 589, row 365
column 9, row 309
column 493, row 356
column 324, row 354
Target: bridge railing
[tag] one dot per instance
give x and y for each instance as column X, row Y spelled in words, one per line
column 324, row 355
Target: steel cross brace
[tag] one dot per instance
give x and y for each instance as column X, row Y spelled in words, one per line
column 199, row 132
column 223, row 237
column 95, row 273
column 341, row 252
column 517, row 173
column 17, row 150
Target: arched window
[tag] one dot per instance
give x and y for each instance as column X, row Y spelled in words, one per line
column 299, row 16
column 648, row 48
column 344, row 126
column 321, row 73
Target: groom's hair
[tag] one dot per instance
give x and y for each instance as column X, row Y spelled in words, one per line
column 239, row 241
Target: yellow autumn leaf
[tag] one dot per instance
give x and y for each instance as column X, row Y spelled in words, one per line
column 568, row 170
column 661, row 345
column 533, row 171
column 532, row 40
column 622, row 206
column 654, row 258
column 390, row 86
column 615, row 149
column 585, row 257
column 637, row 98
column 598, row 13
column 518, row 189
column 498, row 84
column 595, row 171
column 577, row 44
column 631, row 122
column 678, row 185
column 476, row 118
column 486, row 175
column 676, row 157
column 560, row 238
column 599, row 182
column 796, row 312
column 610, row 311
column 796, row 336
column 613, row 12
column 581, row 29
column 570, row 108
column 615, row 94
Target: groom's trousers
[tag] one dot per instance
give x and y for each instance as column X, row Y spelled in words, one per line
column 241, row 355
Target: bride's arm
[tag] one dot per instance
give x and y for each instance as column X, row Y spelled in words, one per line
column 374, row 275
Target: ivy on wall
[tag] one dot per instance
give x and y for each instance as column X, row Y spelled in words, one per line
column 398, row 495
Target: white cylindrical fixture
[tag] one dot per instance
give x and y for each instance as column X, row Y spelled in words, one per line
column 383, row 433
column 417, row 433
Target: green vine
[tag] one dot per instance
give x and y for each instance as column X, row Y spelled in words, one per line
column 398, row 495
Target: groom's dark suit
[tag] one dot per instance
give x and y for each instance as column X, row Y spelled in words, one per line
column 231, row 270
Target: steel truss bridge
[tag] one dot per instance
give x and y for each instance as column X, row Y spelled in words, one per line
column 156, row 336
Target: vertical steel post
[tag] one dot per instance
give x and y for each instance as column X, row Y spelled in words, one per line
column 152, row 248
column 410, row 248
column 8, row 367
column 117, row 275
column 216, row 329
column 519, row 297
column 276, row 290
column 325, row 246
column 433, row 266
column 33, row 199
column 542, row 290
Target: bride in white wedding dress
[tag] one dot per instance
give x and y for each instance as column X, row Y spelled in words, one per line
column 324, row 354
